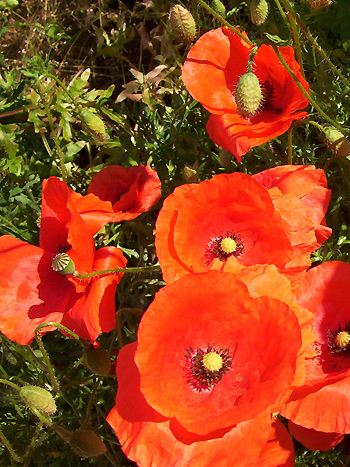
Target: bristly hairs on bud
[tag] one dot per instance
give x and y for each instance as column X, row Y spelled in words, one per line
column 259, row 9
column 318, row 4
column 182, row 24
column 336, row 141
column 219, row 7
column 38, row 398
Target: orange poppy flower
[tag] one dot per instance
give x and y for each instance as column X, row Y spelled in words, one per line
column 279, row 450
column 218, row 383
column 232, row 217
column 301, row 197
column 33, row 293
column 211, row 73
column 322, row 403
column 127, row 192
column 315, row 440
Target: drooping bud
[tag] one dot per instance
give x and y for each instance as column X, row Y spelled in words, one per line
column 318, row 4
column 259, row 9
column 38, row 398
column 219, row 7
column 336, row 141
column 97, row 360
column 87, row 443
column 190, row 175
column 63, row 264
column 248, row 95
column 93, row 124
column 182, row 24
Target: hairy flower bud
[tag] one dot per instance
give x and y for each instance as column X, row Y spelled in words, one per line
column 86, row 443
column 97, row 360
column 38, row 398
column 182, row 24
column 259, row 9
column 219, row 7
column 248, row 95
column 336, row 141
column 93, row 124
column 63, row 264
column 318, row 4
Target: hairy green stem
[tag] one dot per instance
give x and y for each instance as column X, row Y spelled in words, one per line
column 226, row 23
column 57, row 143
column 305, row 93
column 104, row 272
column 51, row 372
column 10, row 449
column 10, row 383
column 280, row 9
column 59, row 326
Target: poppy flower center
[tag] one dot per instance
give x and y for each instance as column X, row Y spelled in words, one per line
column 206, row 367
column 342, row 340
column 62, row 264
column 339, row 340
column 223, row 247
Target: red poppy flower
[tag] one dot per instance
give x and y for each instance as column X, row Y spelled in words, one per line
column 301, row 197
column 211, row 73
column 322, row 403
column 150, row 439
column 127, row 191
column 217, row 383
column 33, row 293
column 228, row 218
column 315, row 440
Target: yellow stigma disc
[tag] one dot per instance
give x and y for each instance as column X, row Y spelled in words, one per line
column 212, row 361
column 342, row 339
column 228, row 245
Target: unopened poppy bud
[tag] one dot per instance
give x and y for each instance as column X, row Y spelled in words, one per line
column 318, row 4
column 97, row 360
column 93, row 124
column 336, row 141
column 87, row 443
column 190, row 175
column 38, row 398
column 259, row 9
column 182, row 24
column 63, row 264
column 248, row 95
column 219, row 7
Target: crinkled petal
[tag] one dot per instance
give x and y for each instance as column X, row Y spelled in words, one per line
column 314, row 440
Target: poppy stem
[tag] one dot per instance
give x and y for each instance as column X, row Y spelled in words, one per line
column 51, row 372
column 290, row 19
column 10, row 449
column 305, row 93
column 104, row 272
column 10, row 383
column 226, row 23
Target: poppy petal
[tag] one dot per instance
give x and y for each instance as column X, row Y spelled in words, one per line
column 314, row 440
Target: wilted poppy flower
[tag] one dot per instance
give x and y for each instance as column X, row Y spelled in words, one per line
column 228, row 218
column 301, row 197
column 315, row 440
column 217, row 383
column 128, row 192
column 322, row 403
column 211, row 73
column 33, row 293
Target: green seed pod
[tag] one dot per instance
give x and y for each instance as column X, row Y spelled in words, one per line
column 336, row 141
column 38, row 398
column 248, row 95
column 63, row 264
column 219, row 7
column 86, row 443
column 97, row 360
column 259, row 9
column 318, row 4
column 182, row 24
column 93, row 124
